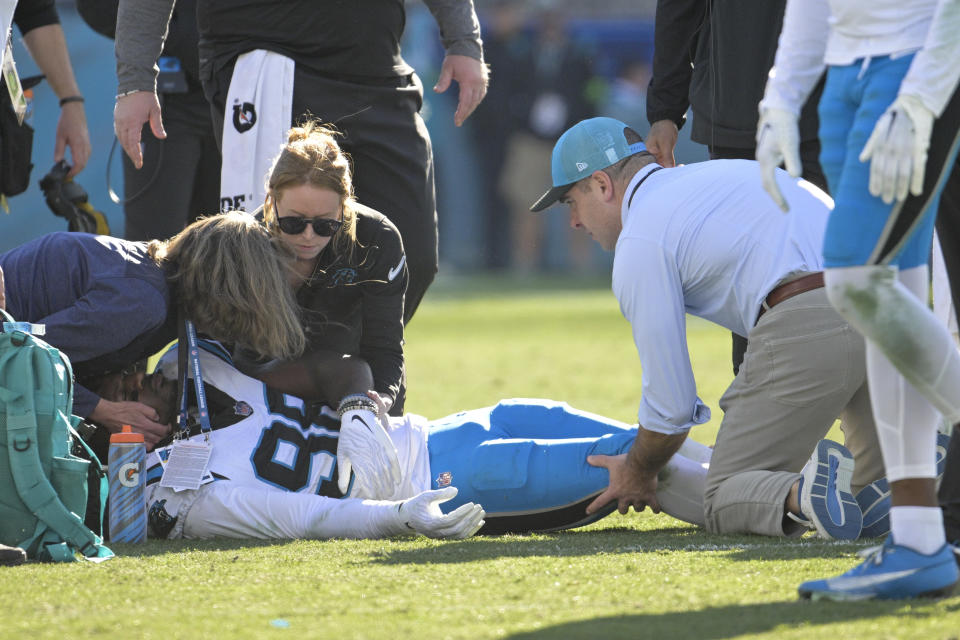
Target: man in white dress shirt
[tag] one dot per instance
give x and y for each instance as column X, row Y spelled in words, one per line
column 705, row 239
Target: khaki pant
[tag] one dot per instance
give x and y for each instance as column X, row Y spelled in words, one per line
column 804, row 367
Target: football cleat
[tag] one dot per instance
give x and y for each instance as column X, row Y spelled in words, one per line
column 825, row 496
column 890, row 571
column 874, row 499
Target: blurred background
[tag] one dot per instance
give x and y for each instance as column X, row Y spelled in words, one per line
column 553, row 63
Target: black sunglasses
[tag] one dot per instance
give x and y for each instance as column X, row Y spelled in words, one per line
column 295, row 225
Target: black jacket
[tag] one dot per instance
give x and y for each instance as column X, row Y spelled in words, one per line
column 356, row 306
column 714, row 57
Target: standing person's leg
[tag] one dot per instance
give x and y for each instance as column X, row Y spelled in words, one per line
column 948, row 230
column 392, row 161
column 176, row 179
column 206, row 185
column 803, row 367
column 491, row 153
column 949, row 494
column 911, row 361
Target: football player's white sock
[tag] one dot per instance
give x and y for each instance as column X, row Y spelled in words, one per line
column 919, row 528
column 887, row 312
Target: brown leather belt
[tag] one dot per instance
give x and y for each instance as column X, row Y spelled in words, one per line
column 787, row 290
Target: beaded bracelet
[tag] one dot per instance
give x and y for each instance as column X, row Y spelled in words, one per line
column 357, row 401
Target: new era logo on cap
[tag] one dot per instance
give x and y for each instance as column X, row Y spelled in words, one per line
column 588, row 146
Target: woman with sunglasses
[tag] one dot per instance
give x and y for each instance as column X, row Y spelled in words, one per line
column 350, row 268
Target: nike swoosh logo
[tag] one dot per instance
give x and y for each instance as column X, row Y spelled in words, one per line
column 357, row 418
column 863, row 582
column 393, row 272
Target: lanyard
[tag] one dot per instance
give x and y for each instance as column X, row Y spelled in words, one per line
column 194, row 355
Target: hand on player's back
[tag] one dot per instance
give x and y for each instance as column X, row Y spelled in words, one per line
column 627, row 486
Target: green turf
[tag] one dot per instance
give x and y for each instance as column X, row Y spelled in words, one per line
column 635, row 576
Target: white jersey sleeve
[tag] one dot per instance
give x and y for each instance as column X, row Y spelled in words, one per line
column 935, row 71
column 799, row 60
column 228, row 510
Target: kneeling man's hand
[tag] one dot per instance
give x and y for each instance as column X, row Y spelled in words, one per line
column 628, row 486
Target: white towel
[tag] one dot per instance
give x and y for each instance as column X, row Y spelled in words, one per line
column 258, row 114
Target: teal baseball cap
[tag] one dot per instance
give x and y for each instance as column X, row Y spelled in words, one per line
column 585, row 147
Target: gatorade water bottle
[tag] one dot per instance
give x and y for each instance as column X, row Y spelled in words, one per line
column 128, row 513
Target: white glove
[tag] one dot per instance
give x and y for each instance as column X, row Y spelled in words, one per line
column 778, row 141
column 368, row 451
column 422, row 514
column 898, row 146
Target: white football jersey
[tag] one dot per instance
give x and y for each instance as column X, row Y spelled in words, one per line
column 266, row 439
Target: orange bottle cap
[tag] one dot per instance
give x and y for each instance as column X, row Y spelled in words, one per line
column 126, row 435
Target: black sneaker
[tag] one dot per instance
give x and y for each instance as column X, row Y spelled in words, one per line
column 11, row 556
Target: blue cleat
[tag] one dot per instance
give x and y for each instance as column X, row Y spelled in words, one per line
column 825, row 496
column 874, row 499
column 889, row 571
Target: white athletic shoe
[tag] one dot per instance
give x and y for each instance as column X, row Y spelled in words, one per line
column 825, row 496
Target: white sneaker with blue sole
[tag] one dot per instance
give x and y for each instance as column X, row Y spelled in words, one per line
column 890, row 571
column 825, row 496
column 874, row 499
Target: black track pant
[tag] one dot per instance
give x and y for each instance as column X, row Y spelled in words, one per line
column 948, row 230
column 180, row 177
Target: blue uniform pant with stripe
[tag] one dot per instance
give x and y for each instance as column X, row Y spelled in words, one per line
column 863, row 230
column 525, row 461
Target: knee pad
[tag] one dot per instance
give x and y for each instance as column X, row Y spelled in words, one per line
column 856, row 292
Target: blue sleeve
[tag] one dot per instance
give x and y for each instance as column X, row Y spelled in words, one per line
column 84, row 401
column 654, row 305
column 107, row 318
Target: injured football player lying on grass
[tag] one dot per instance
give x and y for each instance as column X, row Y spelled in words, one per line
column 274, row 469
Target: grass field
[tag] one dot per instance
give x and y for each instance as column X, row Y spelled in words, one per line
column 636, row 576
